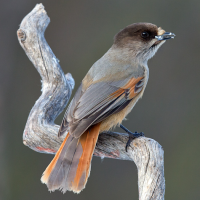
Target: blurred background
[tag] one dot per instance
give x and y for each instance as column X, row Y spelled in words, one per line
column 80, row 32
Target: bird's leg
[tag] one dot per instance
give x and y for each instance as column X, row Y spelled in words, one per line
column 132, row 136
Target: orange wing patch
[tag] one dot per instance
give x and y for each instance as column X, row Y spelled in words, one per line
column 128, row 89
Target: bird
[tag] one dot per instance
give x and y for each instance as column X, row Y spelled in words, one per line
column 107, row 93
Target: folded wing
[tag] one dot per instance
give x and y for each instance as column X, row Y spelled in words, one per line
column 98, row 102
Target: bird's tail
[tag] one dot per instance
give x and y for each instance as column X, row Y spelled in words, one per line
column 70, row 168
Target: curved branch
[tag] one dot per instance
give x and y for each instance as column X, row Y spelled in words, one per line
column 40, row 132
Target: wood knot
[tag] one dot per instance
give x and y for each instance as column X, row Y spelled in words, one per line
column 21, row 35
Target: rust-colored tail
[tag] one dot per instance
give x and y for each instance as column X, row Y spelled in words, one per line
column 70, row 168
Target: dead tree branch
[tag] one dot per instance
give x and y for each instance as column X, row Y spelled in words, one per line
column 40, row 132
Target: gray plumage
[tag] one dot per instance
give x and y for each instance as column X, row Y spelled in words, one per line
column 85, row 111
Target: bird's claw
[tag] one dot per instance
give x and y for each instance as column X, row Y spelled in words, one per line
column 132, row 136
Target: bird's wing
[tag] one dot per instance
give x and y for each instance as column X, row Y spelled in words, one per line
column 97, row 102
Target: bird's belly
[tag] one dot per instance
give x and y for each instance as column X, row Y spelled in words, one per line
column 116, row 119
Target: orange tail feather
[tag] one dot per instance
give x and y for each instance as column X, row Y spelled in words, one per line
column 50, row 167
column 88, row 142
column 70, row 168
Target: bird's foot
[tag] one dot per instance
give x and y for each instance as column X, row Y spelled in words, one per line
column 132, row 136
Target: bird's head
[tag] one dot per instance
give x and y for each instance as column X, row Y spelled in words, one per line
column 141, row 39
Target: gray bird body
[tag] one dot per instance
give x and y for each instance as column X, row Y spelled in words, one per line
column 106, row 95
column 111, row 72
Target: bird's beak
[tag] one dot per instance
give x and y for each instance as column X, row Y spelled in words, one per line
column 165, row 36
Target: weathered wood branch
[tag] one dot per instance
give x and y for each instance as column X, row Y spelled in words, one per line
column 40, row 132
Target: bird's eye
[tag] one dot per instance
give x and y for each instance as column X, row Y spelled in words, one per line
column 145, row 34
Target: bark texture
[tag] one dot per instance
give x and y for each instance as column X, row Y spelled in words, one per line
column 40, row 133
